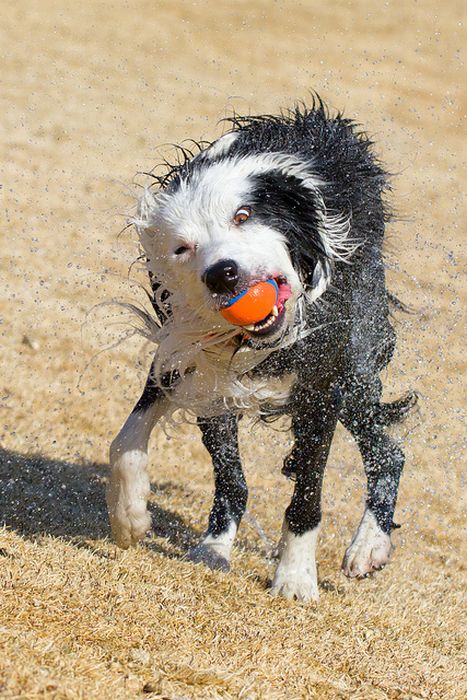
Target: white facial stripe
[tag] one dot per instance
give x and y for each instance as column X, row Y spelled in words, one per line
column 240, row 168
column 221, row 146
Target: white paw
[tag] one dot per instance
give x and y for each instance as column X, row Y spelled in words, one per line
column 127, row 493
column 369, row 550
column 296, row 575
column 215, row 551
column 299, row 585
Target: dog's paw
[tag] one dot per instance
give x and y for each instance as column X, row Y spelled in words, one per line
column 296, row 576
column 207, row 555
column 127, row 493
column 299, row 585
column 129, row 525
column 369, row 550
column 214, row 550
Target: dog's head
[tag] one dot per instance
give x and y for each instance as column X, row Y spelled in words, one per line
column 229, row 218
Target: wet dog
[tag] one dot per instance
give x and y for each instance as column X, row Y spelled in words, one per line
column 298, row 199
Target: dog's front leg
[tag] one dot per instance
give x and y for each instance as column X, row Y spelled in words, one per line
column 220, row 437
column 129, row 486
column 313, row 425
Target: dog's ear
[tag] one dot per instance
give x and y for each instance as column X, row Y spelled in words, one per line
column 287, row 205
column 319, row 280
column 311, row 266
column 146, row 209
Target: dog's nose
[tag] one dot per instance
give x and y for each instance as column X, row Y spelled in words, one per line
column 222, row 276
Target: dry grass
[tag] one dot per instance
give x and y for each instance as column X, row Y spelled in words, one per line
column 88, row 91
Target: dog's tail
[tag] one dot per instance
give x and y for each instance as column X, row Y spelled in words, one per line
column 395, row 411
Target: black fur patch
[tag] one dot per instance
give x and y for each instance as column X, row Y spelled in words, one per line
column 284, row 204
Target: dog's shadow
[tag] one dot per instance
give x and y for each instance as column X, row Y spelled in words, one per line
column 39, row 495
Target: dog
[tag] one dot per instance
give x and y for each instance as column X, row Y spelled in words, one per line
column 298, row 199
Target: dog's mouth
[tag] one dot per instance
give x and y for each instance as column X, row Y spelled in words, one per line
column 275, row 318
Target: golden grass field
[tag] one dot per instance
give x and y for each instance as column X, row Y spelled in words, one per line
column 91, row 93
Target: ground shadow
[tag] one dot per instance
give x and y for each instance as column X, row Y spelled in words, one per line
column 40, row 496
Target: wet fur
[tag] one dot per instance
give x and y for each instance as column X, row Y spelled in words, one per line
column 316, row 185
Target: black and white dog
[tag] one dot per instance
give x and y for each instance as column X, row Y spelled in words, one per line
column 297, row 199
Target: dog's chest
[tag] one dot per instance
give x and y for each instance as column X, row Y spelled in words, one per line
column 272, row 391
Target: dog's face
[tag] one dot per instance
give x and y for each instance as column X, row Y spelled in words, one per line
column 228, row 222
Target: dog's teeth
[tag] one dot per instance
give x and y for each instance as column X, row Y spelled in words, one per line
column 262, row 325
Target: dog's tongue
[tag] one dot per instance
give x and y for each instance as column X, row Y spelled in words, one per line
column 284, row 293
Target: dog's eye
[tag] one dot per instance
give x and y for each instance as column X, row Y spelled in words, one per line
column 241, row 215
column 181, row 250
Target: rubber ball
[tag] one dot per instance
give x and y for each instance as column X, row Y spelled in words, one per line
column 252, row 305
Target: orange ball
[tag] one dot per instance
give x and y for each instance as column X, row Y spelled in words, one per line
column 252, row 305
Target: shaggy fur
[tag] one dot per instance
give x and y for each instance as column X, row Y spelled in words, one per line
column 296, row 198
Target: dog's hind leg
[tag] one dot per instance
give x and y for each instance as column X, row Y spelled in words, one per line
column 129, row 486
column 364, row 416
column 313, row 425
column 220, row 437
